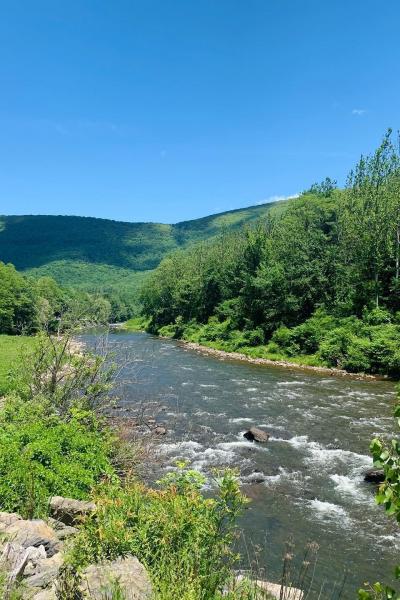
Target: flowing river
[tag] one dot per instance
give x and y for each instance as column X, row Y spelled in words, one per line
column 306, row 483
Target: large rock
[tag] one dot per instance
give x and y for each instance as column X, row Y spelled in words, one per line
column 127, row 573
column 33, row 533
column 256, row 435
column 7, row 519
column 70, row 511
column 48, row 594
column 46, row 571
column 274, row 590
column 374, row 476
column 15, row 558
column 277, row 591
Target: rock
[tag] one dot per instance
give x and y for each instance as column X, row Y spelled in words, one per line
column 66, row 532
column 15, row 558
column 46, row 572
column 159, row 430
column 274, row 590
column 374, row 475
column 34, row 533
column 70, row 511
column 277, row 591
column 256, row 435
column 48, row 594
column 7, row 519
column 132, row 577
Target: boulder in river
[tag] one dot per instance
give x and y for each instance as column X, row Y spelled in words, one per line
column 160, row 430
column 374, row 475
column 256, row 435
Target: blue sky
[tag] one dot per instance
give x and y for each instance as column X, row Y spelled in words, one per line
column 166, row 110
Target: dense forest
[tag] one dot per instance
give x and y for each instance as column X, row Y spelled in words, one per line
column 104, row 257
column 316, row 279
column 27, row 305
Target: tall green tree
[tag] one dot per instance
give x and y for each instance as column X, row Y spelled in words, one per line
column 369, row 224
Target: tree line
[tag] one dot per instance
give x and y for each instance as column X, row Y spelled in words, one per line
column 28, row 304
column 318, row 276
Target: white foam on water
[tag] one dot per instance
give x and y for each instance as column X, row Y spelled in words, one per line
column 186, row 383
column 240, row 444
column 241, row 381
column 212, row 457
column 321, row 454
column 328, row 510
column 202, row 413
column 207, row 385
column 349, row 486
column 283, row 475
column 187, row 449
column 251, row 389
column 186, row 368
column 272, row 426
column 284, row 383
column 240, row 420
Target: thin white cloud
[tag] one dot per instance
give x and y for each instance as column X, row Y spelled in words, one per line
column 278, row 198
column 359, row 112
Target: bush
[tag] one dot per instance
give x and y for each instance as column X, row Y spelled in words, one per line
column 377, row 316
column 42, row 456
column 181, row 537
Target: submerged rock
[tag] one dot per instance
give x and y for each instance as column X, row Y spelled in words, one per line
column 374, row 475
column 256, row 435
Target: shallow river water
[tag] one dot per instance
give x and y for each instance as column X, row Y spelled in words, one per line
column 307, row 482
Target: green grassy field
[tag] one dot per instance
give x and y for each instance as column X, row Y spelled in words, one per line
column 11, row 347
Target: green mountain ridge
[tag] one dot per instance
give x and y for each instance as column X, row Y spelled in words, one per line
column 94, row 253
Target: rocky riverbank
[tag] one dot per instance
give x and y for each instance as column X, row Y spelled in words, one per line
column 223, row 354
column 33, row 562
column 32, row 558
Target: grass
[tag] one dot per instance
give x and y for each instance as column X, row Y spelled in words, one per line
column 11, row 347
column 135, row 324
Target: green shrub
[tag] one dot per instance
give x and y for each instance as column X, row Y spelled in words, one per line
column 42, row 456
column 183, row 538
column 377, row 316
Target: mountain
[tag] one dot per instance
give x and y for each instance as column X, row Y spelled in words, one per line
column 93, row 253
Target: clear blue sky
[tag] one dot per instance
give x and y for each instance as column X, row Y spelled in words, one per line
column 167, row 110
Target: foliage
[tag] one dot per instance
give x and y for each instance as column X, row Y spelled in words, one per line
column 325, row 188
column 182, row 537
column 18, row 310
column 386, row 457
column 11, row 347
column 317, row 278
column 42, row 455
column 28, row 305
column 108, row 258
column 58, row 370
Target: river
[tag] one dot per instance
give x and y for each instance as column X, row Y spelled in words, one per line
column 306, row 483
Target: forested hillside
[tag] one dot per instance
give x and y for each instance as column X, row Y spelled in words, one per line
column 48, row 242
column 111, row 258
column 317, row 282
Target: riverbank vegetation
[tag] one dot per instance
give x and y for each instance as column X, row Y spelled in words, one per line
column 316, row 281
column 55, row 441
